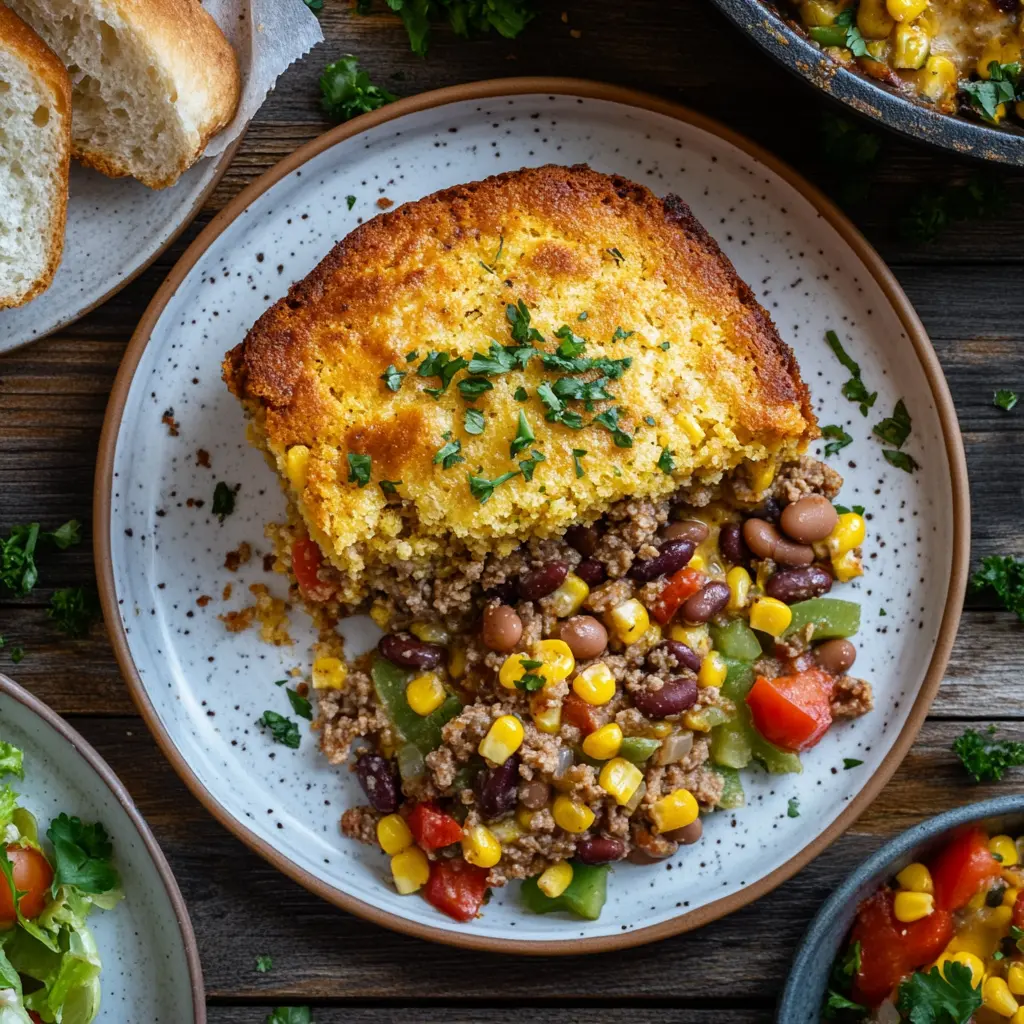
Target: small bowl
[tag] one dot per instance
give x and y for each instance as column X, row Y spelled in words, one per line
column 808, row 978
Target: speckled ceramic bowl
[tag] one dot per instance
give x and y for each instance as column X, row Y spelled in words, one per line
column 808, row 979
column 173, row 431
column 151, row 970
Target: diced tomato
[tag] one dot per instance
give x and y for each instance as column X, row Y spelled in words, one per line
column 306, row 559
column 792, row 711
column 679, row 586
column 32, row 876
column 961, row 868
column 1018, row 910
column 432, row 828
column 576, row 711
column 33, row 1016
column 456, row 888
column 890, row 949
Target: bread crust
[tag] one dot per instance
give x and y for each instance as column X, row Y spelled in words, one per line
column 25, row 43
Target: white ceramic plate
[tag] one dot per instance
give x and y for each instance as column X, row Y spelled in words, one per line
column 161, row 550
column 151, row 967
column 116, row 228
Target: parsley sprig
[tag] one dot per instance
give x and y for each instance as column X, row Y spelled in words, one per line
column 837, row 438
column 843, row 32
column 1004, row 399
column 985, row 758
column 82, row 856
column 18, row 572
column 1004, row 575
column 1003, row 85
column 74, row 610
column 347, row 92
column 483, row 489
column 940, row 997
column 854, row 389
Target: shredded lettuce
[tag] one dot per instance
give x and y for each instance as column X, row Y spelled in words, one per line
column 10, row 760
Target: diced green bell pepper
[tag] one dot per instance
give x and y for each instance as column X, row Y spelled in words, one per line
column 584, row 896
column 390, row 682
column 831, row 617
column 732, row 792
column 736, row 640
column 829, row 35
column 638, row 749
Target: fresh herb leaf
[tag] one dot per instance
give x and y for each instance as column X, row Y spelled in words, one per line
column 474, row 421
column 666, row 461
column 836, row 1003
column 359, row 468
column 620, row 335
column 613, row 368
column 482, row 489
column 527, row 466
column 18, row 571
column 487, row 267
column 350, row 201
column 572, row 389
column 609, row 419
column 315, row 5
column 74, row 610
column 392, row 377
column 501, row 359
column 390, row 486
column 933, row 210
column 347, row 92
column 940, row 997
column 65, row 536
column 291, row 1015
column 530, row 682
column 300, row 705
column 530, row 663
column 448, row 455
column 411, row 357
column 894, row 429
column 838, row 438
column 1002, row 86
column 854, row 388
column 842, row 509
column 617, row 256
column 556, row 410
column 851, row 762
column 985, row 758
column 577, row 454
column 224, row 499
column 843, row 32
column 524, row 436
column 518, row 317
column 263, row 964
column 441, row 364
column 521, row 394
column 1004, row 399
column 10, row 760
column 17, row 654
column 282, row 729
column 570, row 344
column 901, row 460
column 793, row 808
column 471, row 388
column 1003, row 574
column 81, row 856
column 583, row 316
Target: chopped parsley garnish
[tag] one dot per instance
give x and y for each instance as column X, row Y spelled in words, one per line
column 17, row 654
column 18, row 572
column 74, row 610
column 583, row 316
column 282, row 729
column 530, row 682
column 518, row 317
column 530, row 663
column 263, row 964
column 666, row 461
column 556, row 410
column 616, row 255
column 521, row 394
column 481, row 488
column 359, row 468
column 440, row 364
column 390, row 486
column 1003, row 574
column 577, row 454
column 894, row 429
column 572, row 389
column 347, row 92
column 82, row 855
column 985, row 758
column 411, row 357
column 224, row 499
column 851, row 762
column 448, row 455
column 392, row 377
column 793, row 807
column 350, row 201
column 570, row 344
column 487, row 267
column 844, row 970
column 1003, row 85
column 524, row 436
column 609, row 419
column 901, row 460
column 1004, row 399
column 300, row 705
column 527, row 466
column 501, row 359
column 842, row 32
column 613, row 368
column 620, row 335
column 12, row 759
column 940, row 997
column 838, row 438
column 854, row 388
column 471, row 388
column 842, row 509
column 665, row 346
column 474, row 421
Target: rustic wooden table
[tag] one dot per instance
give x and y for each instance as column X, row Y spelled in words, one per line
column 967, row 286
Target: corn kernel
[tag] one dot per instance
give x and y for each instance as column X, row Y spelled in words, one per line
column 712, row 670
column 569, row 597
column 1004, row 849
column 1015, row 979
column 546, row 717
column 973, row 941
column 996, row 996
column 296, row 466
column 816, row 13
column 1010, row 896
column 916, row 878
column 770, row 616
column 630, row 620
column 738, row 581
column 977, row 901
column 393, row 834
column 911, row 44
column 998, row 51
column 425, row 694
column 329, row 673
column 430, row 633
column 761, row 474
column 999, row 917
column 937, row 80
column 696, row 721
column 697, row 638
column 1018, row 1017
column 690, row 427
column 873, row 19
column 677, row 810
column 620, row 780
column 480, row 847
column 555, row 879
column 457, row 661
column 912, row 906
column 507, row 831
column 659, row 730
column 512, row 670
column 595, row 684
column 503, row 739
column 847, row 534
column 698, row 562
column 847, row 567
column 905, row 10
column 973, row 963
column 524, row 818
column 380, row 615
column 557, row 661
column 571, row 816
column 603, row 744
column 410, row 869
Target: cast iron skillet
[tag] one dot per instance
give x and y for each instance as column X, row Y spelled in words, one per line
column 873, row 99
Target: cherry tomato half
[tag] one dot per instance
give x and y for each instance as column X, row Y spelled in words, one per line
column 33, row 876
column 306, row 559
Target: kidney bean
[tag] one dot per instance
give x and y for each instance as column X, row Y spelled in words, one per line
column 770, row 509
column 506, row 593
column 497, row 789
column 583, row 538
column 685, row 656
column 732, row 545
column 686, row 529
column 534, row 795
column 687, row 835
column 543, row 581
column 600, row 850
column 376, row 775
column 765, row 541
column 835, row 656
column 592, row 572
column 671, row 557
column 408, row 652
column 501, row 628
column 799, row 584
column 810, row 519
column 675, row 696
column 706, row 603
column 585, row 635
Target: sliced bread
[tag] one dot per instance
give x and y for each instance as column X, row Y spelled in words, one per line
column 152, row 81
column 35, row 150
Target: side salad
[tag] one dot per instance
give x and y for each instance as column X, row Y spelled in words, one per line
column 49, row 962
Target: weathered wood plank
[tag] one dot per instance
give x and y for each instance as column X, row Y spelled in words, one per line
column 642, row 1012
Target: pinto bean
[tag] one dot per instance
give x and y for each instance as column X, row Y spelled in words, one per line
column 592, row 572
column 376, row 775
column 671, row 557
column 585, row 635
column 543, row 581
column 686, row 529
column 535, row 795
column 810, row 519
column 502, row 628
column 405, row 650
column 600, row 850
column 835, row 656
column 706, row 603
column 799, row 584
column 685, row 656
column 497, row 789
column 688, row 834
column 765, row 541
column 583, row 538
column 675, row 696
column 732, row 545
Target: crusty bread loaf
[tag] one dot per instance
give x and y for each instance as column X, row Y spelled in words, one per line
column 35, row 150
column 152, row 80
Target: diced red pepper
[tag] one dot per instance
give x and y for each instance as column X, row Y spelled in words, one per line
column 456, row 888
column 792, row 712
column 1018, row 910
column 679, row 586
column 576, row 711
column 889, row 949
column 961, row 868
column 432, row 828
column 306, row 559
column 33, row 1016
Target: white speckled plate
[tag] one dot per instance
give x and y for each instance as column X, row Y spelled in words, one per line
column 160, row 551
column 116, row 228
column 151, row 969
